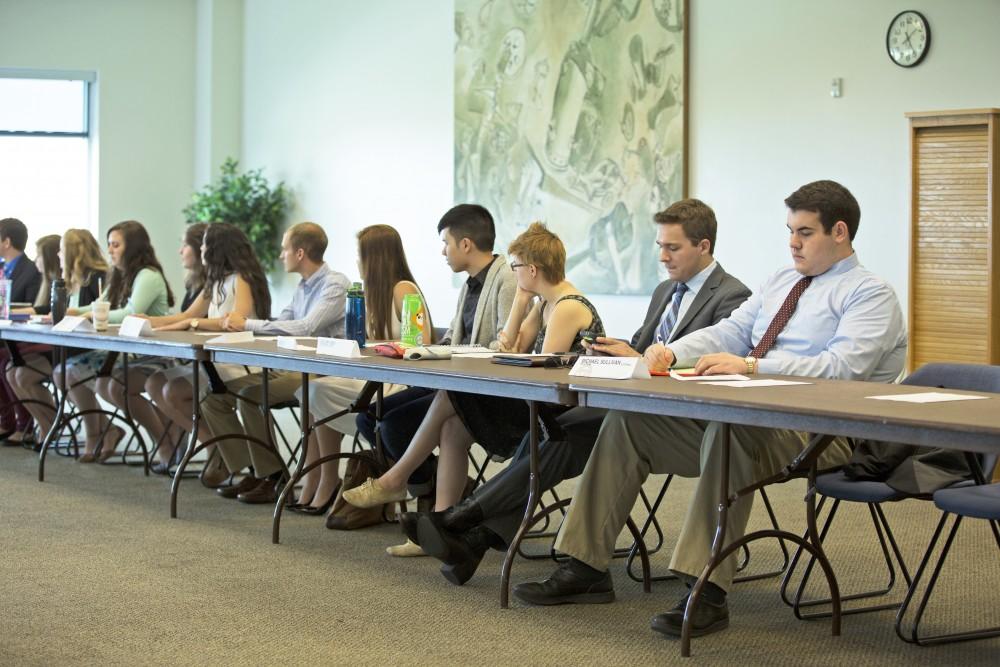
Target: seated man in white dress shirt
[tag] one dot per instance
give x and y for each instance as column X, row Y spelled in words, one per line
column 826, row 316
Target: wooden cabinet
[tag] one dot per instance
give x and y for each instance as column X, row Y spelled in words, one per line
column 955, row 237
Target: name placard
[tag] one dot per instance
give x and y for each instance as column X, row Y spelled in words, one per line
column 346, row 348
column 611, row 368
column 74, row 323
column 134, row 327
column 232, row 338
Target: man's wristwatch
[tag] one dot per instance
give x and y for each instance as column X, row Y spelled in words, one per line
column 751, row 365
column 194, row 324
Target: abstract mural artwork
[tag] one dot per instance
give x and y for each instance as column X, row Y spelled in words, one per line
column 572, row 112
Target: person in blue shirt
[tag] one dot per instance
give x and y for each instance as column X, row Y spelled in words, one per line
column 25, row 279
column 318, row 308
column 825, row 316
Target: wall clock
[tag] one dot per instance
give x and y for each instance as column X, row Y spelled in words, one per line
column 908, row 38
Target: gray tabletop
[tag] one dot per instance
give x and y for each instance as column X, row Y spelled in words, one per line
column 835, row 407
column 478, row 376
column 173, row 344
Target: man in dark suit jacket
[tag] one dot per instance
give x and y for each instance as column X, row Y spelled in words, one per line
column 24, row 277
column 698, row 294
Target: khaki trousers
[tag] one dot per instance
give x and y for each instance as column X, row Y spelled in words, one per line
column 246, row 394
column 630, row 446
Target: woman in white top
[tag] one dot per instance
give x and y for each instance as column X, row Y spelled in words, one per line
column 234, row 282
column 387, row 279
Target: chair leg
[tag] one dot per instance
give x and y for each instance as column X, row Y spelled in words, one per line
column 890, row 552
column 913, row 635
column 785, row 556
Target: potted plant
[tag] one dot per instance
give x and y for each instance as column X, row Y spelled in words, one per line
column 247, row 201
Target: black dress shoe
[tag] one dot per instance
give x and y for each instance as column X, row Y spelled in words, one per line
column 246, row 484
column 568, row 585
column 708, row 617
column 461, row 552
column 463, row 516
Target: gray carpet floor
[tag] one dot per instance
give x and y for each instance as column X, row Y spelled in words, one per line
column 94, row 572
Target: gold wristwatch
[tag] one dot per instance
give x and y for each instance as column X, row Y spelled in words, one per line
column 751, row 365
column 194, row 324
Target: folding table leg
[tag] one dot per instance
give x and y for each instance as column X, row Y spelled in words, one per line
column 529, row 510
column 57, row 421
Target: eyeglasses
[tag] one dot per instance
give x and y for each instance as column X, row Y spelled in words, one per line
column 514, row 265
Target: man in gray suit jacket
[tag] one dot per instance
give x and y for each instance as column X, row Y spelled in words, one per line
column 698, row 294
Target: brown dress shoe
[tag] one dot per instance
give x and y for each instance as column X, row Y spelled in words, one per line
column 265, row 493
column 248, row 483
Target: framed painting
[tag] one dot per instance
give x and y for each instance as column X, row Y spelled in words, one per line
column 573, row 112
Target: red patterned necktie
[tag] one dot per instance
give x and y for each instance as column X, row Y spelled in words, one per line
column 780, row 320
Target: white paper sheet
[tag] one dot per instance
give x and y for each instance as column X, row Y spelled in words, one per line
column 717, row 378
column 745, row 384
column 928, row 397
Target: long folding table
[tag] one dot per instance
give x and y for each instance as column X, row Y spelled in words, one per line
column 827, row 408
column 479, row 376
column 174, row 345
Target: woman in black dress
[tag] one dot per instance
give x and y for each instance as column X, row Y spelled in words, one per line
column 548, row 315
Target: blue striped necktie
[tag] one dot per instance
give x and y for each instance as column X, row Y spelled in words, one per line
column 670, row 316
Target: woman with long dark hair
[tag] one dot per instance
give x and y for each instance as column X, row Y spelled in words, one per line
column 135, row 285
column 549, row 314
column 163, row 429
column 387, row 279
column 194, row 270
column 234, row 282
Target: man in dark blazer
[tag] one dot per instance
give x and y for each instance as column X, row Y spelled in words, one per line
column 18, row 268
column 698, row 294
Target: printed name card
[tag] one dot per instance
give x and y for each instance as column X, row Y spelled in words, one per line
column 338, row 347
column 133, row 327
column 291, row 343
column 74, row 323
column 232, row 338
column 611, row 368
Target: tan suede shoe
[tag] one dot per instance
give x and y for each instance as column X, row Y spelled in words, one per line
column 371, row 494
column 408, row 549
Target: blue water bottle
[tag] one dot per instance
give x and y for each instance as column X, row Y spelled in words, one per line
column 356, row 314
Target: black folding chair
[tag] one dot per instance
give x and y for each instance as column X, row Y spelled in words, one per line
column 979, row 501
column 838, row 487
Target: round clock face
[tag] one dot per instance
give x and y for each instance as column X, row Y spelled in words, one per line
column 908, row 38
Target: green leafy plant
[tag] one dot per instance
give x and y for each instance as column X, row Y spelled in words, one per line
column 247, row 201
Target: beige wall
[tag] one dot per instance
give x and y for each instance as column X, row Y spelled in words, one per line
column 143, row 53
column 351, row 105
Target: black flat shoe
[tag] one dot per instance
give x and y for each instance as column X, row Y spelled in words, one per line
column 160, row 468
column 307, row 508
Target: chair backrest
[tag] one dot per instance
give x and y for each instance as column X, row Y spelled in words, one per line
column 968, row 377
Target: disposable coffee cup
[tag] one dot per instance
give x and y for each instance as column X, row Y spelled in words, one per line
column 101, row 310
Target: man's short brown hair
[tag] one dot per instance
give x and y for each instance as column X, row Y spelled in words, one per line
column 540, row 247
column 311, row 238
column 831, row 201
column 696, row 218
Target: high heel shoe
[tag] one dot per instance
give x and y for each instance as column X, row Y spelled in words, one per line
column 317, row 511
